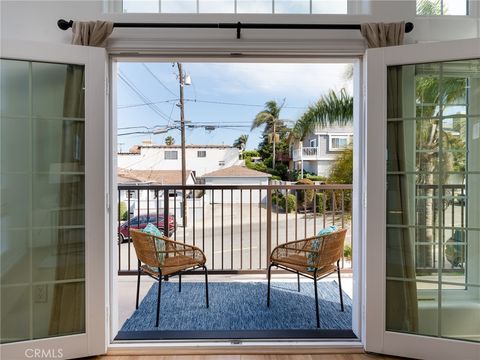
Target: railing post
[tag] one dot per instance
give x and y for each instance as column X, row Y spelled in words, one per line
column 269, row 226
column 166, row 225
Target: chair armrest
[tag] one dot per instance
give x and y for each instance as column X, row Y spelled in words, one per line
column 175, row 248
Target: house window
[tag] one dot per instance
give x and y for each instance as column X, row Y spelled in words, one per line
column 313, row 143
column 171, row 155
column 233, row 6
column 338, row 143
column 201, row 153
column 442, row 7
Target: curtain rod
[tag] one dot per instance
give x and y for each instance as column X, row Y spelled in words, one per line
column 64, row 25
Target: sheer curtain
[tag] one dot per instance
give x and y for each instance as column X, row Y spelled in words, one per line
column 68, row 306
column 401, row 296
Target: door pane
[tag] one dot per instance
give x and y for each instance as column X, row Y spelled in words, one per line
column 42, row 200
column 433, row 199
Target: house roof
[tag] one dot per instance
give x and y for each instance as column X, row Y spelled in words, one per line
column 162, row 177
column 236, row 171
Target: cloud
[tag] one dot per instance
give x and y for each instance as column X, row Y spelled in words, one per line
column 307, row 80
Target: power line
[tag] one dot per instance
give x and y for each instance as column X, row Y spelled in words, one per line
column 210, row 102
column 146, row 104
column 240, row 104
column 159, row 81
column 147, row 101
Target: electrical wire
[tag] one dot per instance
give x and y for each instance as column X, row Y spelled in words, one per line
column 159, row 81
column 147, row 101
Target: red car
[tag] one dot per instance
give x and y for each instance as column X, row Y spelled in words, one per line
column 141, row 222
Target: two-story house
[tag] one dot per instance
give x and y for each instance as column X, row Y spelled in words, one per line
column 201, row 159
column 319, row 149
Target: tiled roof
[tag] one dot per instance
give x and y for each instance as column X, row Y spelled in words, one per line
column 161, row 177
column 237, row 171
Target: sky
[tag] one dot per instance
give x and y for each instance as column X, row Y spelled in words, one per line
column 228, row 95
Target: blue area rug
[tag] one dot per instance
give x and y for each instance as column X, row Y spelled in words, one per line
column 241, row 306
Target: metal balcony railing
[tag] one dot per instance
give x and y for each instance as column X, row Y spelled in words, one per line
column 237, row 226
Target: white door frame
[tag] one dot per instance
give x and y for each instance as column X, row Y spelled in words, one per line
column 94, row 340
column 377, row 339
column 358, row 192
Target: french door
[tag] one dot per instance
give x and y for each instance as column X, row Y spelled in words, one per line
column 422, row 251
column 53, row 201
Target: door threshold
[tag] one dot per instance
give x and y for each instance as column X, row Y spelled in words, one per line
column 237, row 335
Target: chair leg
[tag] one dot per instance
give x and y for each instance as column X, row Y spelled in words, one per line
column 340, row 284
column 268, row 288
column 138, row 285
column 298, row 281
column 159, row 294
column 206, row 285
column 316, row 297
column 179, row 282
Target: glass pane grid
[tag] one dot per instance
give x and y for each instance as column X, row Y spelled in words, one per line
column 43, row 194
column 236, row 6
column 433, row 202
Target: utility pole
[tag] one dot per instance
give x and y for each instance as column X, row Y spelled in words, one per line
column 182, row 129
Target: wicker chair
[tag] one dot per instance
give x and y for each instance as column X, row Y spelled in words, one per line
column 314, row 258
column 174, row 259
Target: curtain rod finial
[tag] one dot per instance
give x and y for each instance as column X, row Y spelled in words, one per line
column 64, row 24
column 408, row 27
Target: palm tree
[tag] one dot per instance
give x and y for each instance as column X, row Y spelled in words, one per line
column 330, row 109
column 241, row 142
column 432, row 92
column 270, row 117
column 169, row 140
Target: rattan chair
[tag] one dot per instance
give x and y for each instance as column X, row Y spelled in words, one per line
column 314, row 258
column 174, row 259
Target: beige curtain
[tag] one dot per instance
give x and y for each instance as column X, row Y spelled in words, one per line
column 68, row 306
column 401, row 296
column 91, row 33
column 382, row 35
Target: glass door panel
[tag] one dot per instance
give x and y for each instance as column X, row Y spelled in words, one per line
column 42, row 170
column 433, row 199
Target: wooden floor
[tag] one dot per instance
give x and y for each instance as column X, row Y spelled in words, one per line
column 250, row 357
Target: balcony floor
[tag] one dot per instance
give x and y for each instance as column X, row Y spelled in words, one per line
column 237, row 307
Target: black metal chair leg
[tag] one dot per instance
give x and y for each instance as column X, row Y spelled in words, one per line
column 268, row 291
column 340, row 284
column 298, row 280
column 206, row 284
column 316, row 297
column 179, row 282
column 159, row 294
column 138, row 285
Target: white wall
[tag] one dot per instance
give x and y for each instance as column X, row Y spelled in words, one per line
column 244, row 197
column 153, row 158
column 36, row 21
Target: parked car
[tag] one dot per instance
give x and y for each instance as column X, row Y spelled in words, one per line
column 141, row 222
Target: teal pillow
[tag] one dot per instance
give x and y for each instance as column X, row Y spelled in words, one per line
column 315, row 246
column 159, row 243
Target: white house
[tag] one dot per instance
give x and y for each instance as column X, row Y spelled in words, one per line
column 237, row 175
column 148, row 200
column 201, row 159
column 317, row 152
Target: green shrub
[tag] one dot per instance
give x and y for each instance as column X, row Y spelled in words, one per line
column 316, row 178
column 319, row 202
column 291, row 203
column 279, row 199
column 123, row 212
column 305, row 197
column 347, row 252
